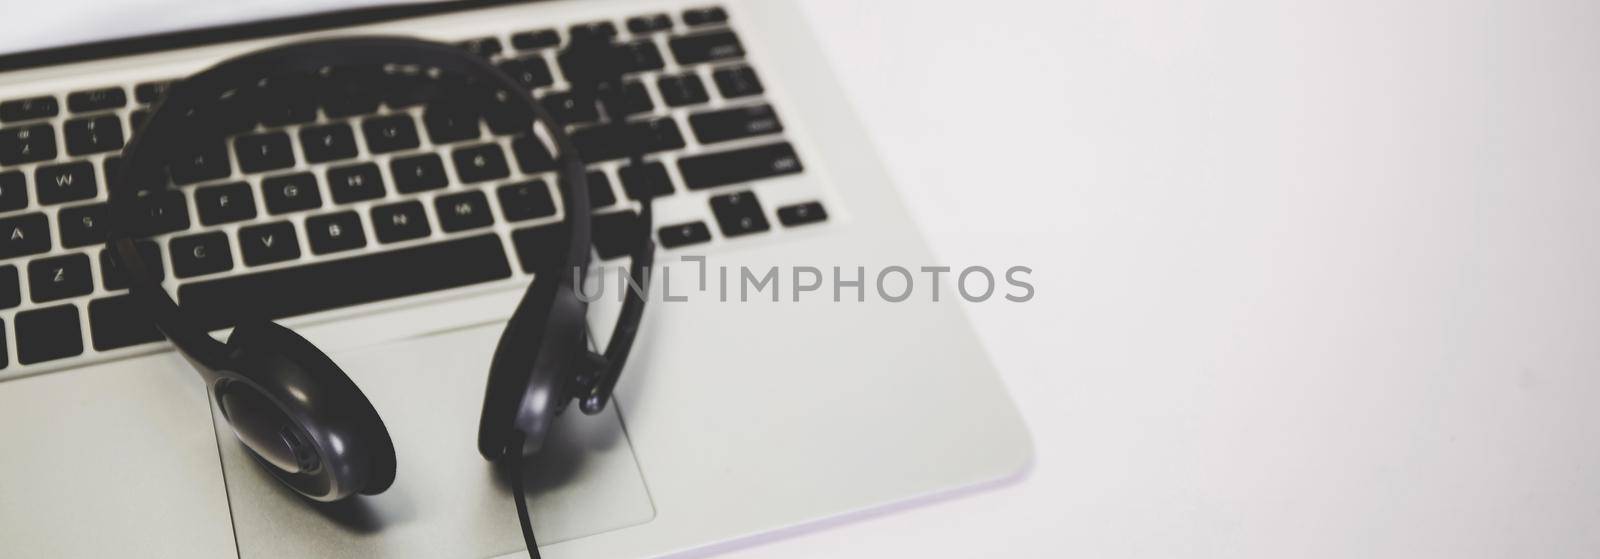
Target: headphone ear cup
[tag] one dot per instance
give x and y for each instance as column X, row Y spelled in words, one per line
column 290, row 396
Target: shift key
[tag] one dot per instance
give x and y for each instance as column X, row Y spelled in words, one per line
column 740, row 165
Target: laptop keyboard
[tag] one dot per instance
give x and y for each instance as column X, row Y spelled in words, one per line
column 363, row 199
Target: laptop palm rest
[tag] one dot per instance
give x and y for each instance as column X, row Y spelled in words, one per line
column 446, row 500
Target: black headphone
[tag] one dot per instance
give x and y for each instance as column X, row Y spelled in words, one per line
column 291, row 405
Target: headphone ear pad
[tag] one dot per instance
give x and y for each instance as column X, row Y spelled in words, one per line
column 321, row 404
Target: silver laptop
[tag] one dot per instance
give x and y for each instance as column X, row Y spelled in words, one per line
column 747, row 408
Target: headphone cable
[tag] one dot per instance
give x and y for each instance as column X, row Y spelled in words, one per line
column 522, row 500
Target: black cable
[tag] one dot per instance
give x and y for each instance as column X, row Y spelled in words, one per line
column 515, row 456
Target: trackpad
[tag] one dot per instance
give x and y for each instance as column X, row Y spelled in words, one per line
column 446, row 499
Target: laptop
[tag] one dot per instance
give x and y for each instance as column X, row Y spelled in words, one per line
column 747, row 408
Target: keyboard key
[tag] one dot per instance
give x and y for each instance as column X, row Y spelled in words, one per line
column 390, row 133
column 48, row 334
column 137, row 117
column 529, row 40
column 526, row 200
column 616, row 234
column 66, row 182
column 150, row 92
column 539, row 248
column 291, row 193
column 530, row 71
column 93, row 134
column 335, row 232
column 110, row 167
column 355, row 183
column 327, row 143
column 732, row 124
column 225, row 203
column 600, row 194
column 706, row 47
column 400, row 222
column 507, row 114
column 418, row 173
column 740, row 81
column 459, row 212
column 641, row 56
column 13, row 191
column 24, row 235
column 704, row 16
column 97, row 99
column 446, row 124
column 682, row 89
column 345, row 282
column 740, row 165
column 201, row 164
column 29, row 109
column 738, row 214
column 111, row 275
column 263, row 152
column 167, row 211
column 121, row 321
column 197, row 255
column 27, row 144
column 649, row 23
column 268, row 243
column 568, row 108
column 645, row 181
column 801, row 214
column 593, row 29
column 59, row 277
column 635, row 100
column 615, row 141
column 10, row 287
column 485, row 47
column 694, row 232
column 480, row 163
column 532, row 155
column 82, row 225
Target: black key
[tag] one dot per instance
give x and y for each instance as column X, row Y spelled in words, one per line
column 27, row 144
column 263, row 152
column 400, row 222
column 540, row 248
column 137, row 118
column 82, row 225
column 291, row 193
column 345, row 282
column 459, row 212
column 704, row 16
column 354, row 183
column 448, row 124
column 110, row 166
column 635, row 99
column 568, row 108
column 526, row 200
column 507, row 114
column 111, row 275
column 532, row 155
column 480, row 163
column 93, row 135
column 327, row 143
column 418, row 173
column 801, row 214
column 59, row 277
column 640, row 56
column 738, row 213
column 167, row 211
column 97, row 99
column 600, row 194
column 706, row 47
column 682, row 89
column 66, row 182
column 615, row 141
column 29, row 109
column 732, row 124
column 201, row 164
column 485, row 47
column 390, row 133
column 649, row 23
column 617, row 234
column 196, row 255
column 529, row 40
column 47, row 334
column 10, row 287
column 121, row 321
column 530, row 71
column 23, row 235
column 268, row 243
column 150, row 92
column 335, row 232
column 739, row 81
column 13, row 191
column 593, row 29
column 645, row 181
column 673, row 236
column 224, row 203
column 740, row 165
